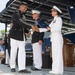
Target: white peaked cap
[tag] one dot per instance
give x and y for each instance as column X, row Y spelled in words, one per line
column 56, row 8
column 35, row 11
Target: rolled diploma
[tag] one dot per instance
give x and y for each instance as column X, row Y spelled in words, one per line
column 42, row 30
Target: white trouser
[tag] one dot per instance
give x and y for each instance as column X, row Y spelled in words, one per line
column 57, row 57
column 21, row 54
column 7, row 57
column 37, row 55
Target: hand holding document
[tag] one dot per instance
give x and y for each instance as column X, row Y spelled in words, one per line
column 48, row 28
column 35, row 28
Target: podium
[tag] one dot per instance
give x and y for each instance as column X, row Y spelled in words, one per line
column 68, row 53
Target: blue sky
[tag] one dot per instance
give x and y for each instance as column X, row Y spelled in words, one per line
column 2, row 6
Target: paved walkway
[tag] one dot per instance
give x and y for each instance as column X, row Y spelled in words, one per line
column 4, row 70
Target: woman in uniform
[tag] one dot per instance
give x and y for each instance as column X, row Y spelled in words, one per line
column 57, row 41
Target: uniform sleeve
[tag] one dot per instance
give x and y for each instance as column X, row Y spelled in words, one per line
column 26, row 30
column 16, row 17
column 57, row 26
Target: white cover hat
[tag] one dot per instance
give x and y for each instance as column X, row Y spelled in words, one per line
column 56, row 8
column 35, row 11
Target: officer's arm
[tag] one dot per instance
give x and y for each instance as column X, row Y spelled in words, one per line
column 16, row 18
column 26, row 30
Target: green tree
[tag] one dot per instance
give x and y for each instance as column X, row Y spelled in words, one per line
column 2, row 32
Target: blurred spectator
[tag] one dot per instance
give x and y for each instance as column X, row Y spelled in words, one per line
column 5, row 46
column 2, row 50
column 1, row 47
column 8, row 47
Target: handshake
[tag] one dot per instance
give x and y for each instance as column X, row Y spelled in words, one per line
column 35, row 28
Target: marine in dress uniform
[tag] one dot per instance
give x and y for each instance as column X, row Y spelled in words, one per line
column 17, row 39
column 57, row 41
column 37, row 39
